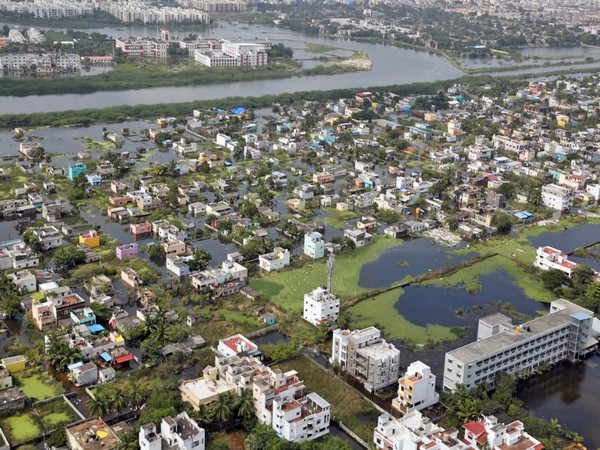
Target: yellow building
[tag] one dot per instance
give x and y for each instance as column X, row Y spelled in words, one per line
column 14, row 364
column 562, row 121
column 91, row 239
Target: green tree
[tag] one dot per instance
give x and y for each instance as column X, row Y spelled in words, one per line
column 67, row 258
column 200, row 260
column 554, row 278
column 582, row 276
column 97, row 407
column 156, row 251
column 222, row 407
column 502, row 222
column 59, row 354
column 245, row 408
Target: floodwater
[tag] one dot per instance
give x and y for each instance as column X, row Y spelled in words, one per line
column 412, row 258
column 568, row 240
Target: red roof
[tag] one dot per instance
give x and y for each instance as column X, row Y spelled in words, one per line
column 124, row 358
column 475, row 427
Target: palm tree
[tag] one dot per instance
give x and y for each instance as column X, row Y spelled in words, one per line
column 97, row 407
column 469, row 409
column 203, row 416
column 161, row 333
column 134, row 395
column 128, row 441
column 246, row 404
column 221, row 408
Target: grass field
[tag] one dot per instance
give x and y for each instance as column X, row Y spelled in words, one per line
column 20, row 428
column 380, row 310
column 54, row 419
column 347, row 405
column 286, row 289
column 337, row 218
column 37, row 386
column 237, row 317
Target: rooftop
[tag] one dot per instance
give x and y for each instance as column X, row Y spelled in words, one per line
column 94, row 435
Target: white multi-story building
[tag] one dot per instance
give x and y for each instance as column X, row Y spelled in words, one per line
column 145, row 48
column 367, row 357
column 49, row 9
column 42, row 63
column 414, row 431
column 557, row 197
column 314, row 245
column 49, row 237
column 321, row 307
column 177, row 433
column 564, row 333
column 276, row 260
column 547, row 258
column 233, row 54
column 131, row 10
column 492, row 434
column 416, row 389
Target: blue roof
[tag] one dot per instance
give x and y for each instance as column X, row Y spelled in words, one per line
column 238, row 110
column 106, row 357
column 96, row 328
column 580, row 316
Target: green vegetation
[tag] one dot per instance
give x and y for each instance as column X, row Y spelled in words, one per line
column 347, row 405
column 338, row 218
column 318, row 48
column 238, row 318
column 286, row 288
column 38, row 385
column 20, row 428
column 469, row 278
column 380, row 310
column 129, row 112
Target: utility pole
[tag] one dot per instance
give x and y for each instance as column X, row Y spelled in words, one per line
column 330, row 266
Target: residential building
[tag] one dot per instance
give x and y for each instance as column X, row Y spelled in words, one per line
column 364, row 355
column 360, row 237
column 314, row 245
column 85, row 374
column 93, row 434
column 493, row 434
column 5, row 378
column 415, row 431
column 321, row 307
column 83, row 316
column 91, row 239
column 76, row 169
column 49, row 237
column 547, row 258
column 176, row 433
column 276, row 260
column 131, row 278
column 127, row 251
column 14, row 364
column 233, row 54
column 557, row 197
column 174, row 248
column 24, row 280
column 140, row 229
column 237, row 344
column 416, row 389
column 565, row 333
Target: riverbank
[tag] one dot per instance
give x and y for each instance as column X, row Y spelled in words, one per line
column 122, row 113
column 144, row 74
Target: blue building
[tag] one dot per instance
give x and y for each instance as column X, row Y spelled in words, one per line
column 76, row 170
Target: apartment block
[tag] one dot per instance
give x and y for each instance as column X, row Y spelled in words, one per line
column 547, row 258
column 565, row 333
column 144, row 48
column 176, row 433
column 557, row 197
column 367, row 357
column 416, row 389
column 314, row 245
column 321, row 307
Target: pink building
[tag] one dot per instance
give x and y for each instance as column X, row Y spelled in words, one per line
column 140, row 228
column 131, row 278
column 127, row 251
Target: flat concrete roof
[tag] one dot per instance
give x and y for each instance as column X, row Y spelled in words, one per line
column 203, row 389
column 499, row 342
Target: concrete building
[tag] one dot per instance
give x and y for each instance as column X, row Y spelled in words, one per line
column 237, row 344
column 360, row 237
column 233, row 54
column 94, row 434
column 127, row 251
column 492, row 434
column 144, row 48
column 367, row 357
column 416, row 389
column 563, row 334
column 557, row 197
column 321, row 307
column 49, row 237
column 276, row 260
column 24, row 280
column 176, row 433
column 547, row 258
column 314, row 245
column 85, row 374
column 77, row 169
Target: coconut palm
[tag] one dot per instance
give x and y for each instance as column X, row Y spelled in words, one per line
column 97, row 407
column 221, row 408
column 203, row 416
column 134, row 395
column 245, row 408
